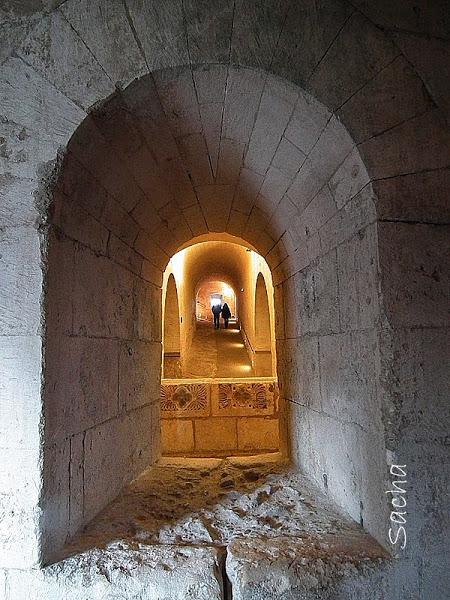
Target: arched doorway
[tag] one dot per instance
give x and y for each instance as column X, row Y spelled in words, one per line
column 219, row 405
column 263, row 329
column 171, row 335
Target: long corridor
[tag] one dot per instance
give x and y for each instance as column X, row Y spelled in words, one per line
column 218, row 353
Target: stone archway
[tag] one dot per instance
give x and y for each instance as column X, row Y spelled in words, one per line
column 263, row 328
column 171, row 330
column 114, row 229
column 400, row 135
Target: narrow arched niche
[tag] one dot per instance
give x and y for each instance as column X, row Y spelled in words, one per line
column 144, row 176
column 171, row 333
column 263, row 329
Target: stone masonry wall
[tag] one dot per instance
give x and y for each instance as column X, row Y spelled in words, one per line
column 219, row 419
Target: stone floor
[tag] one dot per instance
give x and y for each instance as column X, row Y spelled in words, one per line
column 246, row 528
column 218, row 353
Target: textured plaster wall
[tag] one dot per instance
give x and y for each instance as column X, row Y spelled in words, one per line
column 381, row 70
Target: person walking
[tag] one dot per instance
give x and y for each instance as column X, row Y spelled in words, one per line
column 226, row 314
column 216, row 310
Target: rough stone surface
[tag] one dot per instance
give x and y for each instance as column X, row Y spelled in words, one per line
column 342, row 58
column 123, row 571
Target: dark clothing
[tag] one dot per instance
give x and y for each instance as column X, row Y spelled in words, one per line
column 216, row 310
column 226, row 314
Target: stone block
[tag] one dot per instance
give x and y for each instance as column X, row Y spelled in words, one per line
column 114, row 453
column 182, row 400
column 118, row 54
column 208, row 26
column 118, row 221
column 151, row 273
column 288, row 158
column 355, row 215
column 145, row 245
column 263, row 363
column 421, row 19
column 430, row 58
column 148, row 573
column 54, row 49
column 122, row 254
column 418, row 144
column 316, row 296
column 81, row 384
column 348, row 368
column 215, row 202
column 177, row 436
column 349, row 179
column 215, row 435
column 307, row 123
column 356, row 55
column 147, row 324
column 236, row 222
column 295, row 61
column 210, row 81
column 55, row 500
column 256, row 434
column 256, row 30
column 285, row 568
column 29, row 100
column 20, row 292
column 102, row 297
column 195, row 219
column 274, row 112
column 160, row 29
column 300, row 371
column 243, row 399
column 78, row 224
column 20, row 376
column 358, row 280
column 320, row 210
column 414, row 197
column 17, row 204
column 176, row 91
column 20, row 485
column 139, row 375
column 22, row 153
column 274, row 187
column 414, row 283
column 395, row 95
column 243, row 94
column 230, row 161
column 211, row 116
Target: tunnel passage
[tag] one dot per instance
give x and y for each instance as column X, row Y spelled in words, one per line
column 171, row 160
column 223, row 398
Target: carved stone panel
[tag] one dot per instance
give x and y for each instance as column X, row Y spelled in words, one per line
column 185, row 400
column 243, row 399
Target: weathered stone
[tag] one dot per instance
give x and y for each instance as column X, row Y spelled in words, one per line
column 208, row 26
column 160, row 30
column 170, row 572
column 260, row 433
column 421, row 298
column 74, row 72
column 117, row 53
column 306, row 37
column 393, row 96
column 19, row 424
column 356, row 55
column 256, row 30
column 215, row 435
column 20, row 257
column 177, row 436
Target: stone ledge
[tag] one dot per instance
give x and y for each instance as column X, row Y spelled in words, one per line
column 122, row 571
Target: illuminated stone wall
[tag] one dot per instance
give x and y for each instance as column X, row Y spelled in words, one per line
column 227, row 418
